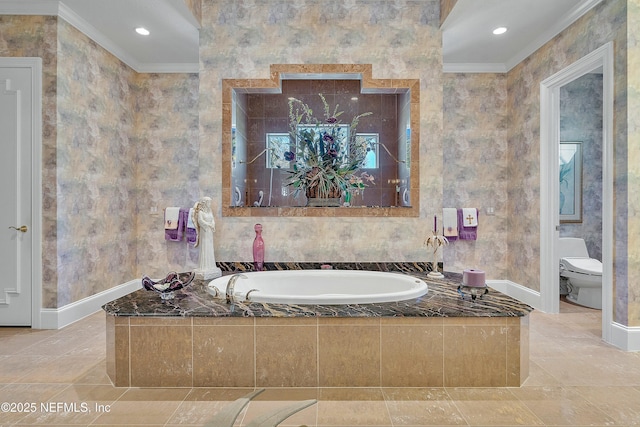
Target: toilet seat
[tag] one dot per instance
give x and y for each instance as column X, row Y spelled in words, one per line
column 588, row 266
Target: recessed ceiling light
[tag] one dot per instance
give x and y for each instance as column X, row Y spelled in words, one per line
column 500, row 30
column 142, row 31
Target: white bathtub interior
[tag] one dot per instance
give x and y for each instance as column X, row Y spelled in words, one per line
column 323, row 286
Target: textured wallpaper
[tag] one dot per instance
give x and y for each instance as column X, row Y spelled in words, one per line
column 96, row 169
column 127, row 144
column 166, row 157
column 633, row 160
column 475, row 167
column 604, row 23
column 241, row 39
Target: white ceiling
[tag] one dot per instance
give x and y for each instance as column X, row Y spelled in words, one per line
column 468, row 45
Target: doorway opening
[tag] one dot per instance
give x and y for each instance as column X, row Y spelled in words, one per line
column 550, row 138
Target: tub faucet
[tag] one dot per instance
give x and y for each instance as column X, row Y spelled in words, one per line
column 231, row 285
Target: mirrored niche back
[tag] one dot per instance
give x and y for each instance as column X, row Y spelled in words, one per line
column 257, row 149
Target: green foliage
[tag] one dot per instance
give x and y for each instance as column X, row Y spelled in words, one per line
column 326, row 154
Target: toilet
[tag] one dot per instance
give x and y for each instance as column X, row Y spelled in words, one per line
column 583, row 274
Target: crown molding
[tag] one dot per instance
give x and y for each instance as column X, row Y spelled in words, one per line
column 550, row 33
column 480, row 67
column 57, row 8
column 532, row 47
column 177, row 67
column 33, row 7
column 90, row 31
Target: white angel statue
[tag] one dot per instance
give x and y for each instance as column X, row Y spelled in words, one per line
column 205, row 227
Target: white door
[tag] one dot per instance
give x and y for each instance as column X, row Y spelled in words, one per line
column 15, row 195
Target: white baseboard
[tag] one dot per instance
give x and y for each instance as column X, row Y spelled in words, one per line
column 625, row 337
column 517, row 291
column 56, row 318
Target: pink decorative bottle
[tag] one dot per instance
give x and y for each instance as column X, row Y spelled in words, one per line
column 258, row 249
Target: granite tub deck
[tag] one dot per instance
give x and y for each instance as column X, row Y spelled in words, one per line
column 438, row 340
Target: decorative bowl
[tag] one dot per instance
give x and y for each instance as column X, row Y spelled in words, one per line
column 166, row 287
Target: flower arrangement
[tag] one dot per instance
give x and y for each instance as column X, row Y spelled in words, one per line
column 325, row 154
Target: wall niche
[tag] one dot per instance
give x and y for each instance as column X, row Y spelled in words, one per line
column 255, row 119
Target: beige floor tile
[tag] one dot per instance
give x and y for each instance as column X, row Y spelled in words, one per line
column 56, row 345
column 27, row 392
column 95, row 375
column 8, row 331
column 155, row 394
column 306, row 416
column 126, row 424
column 19, row 395
column 539, row 377
column 61, row 369
column 90, row 393
column 353, row 413
column 288, row 394
column 422, row 407
column 561, row 406
column 94, row 346
column 351, row 394
column 215, row 394
column 202, row 404
column 199, row 412
column 12, row 368
column 63, row 412
column 353, row 407
column 620, row 403
column 15, row 343
column 585, row 370
column 492, row 406
column 144, row 406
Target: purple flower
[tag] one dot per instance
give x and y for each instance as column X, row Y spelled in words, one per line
column 332, row 152
column 289, row 156
column 331, row 120
column 327, row 138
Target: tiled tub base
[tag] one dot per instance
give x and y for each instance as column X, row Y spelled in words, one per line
column 150, row 351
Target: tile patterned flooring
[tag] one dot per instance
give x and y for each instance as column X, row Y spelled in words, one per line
column 575, row 380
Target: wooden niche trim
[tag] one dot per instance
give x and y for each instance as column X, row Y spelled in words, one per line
column 281, row 72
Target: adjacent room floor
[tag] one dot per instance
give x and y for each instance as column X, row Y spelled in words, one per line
column 59, row 377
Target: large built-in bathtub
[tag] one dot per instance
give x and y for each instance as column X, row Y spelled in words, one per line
column 439, row 339
column 321, row 287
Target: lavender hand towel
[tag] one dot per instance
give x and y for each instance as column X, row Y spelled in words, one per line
column 190, row 228
column 172, row 228
column 468, row 232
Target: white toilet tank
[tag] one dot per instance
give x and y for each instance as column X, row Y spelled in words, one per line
column 572, row 247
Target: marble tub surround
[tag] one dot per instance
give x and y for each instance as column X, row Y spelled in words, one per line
column 442, row 300
column 436, row 340
column 230, row 267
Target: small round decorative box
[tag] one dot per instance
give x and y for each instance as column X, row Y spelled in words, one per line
column 473, row 278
